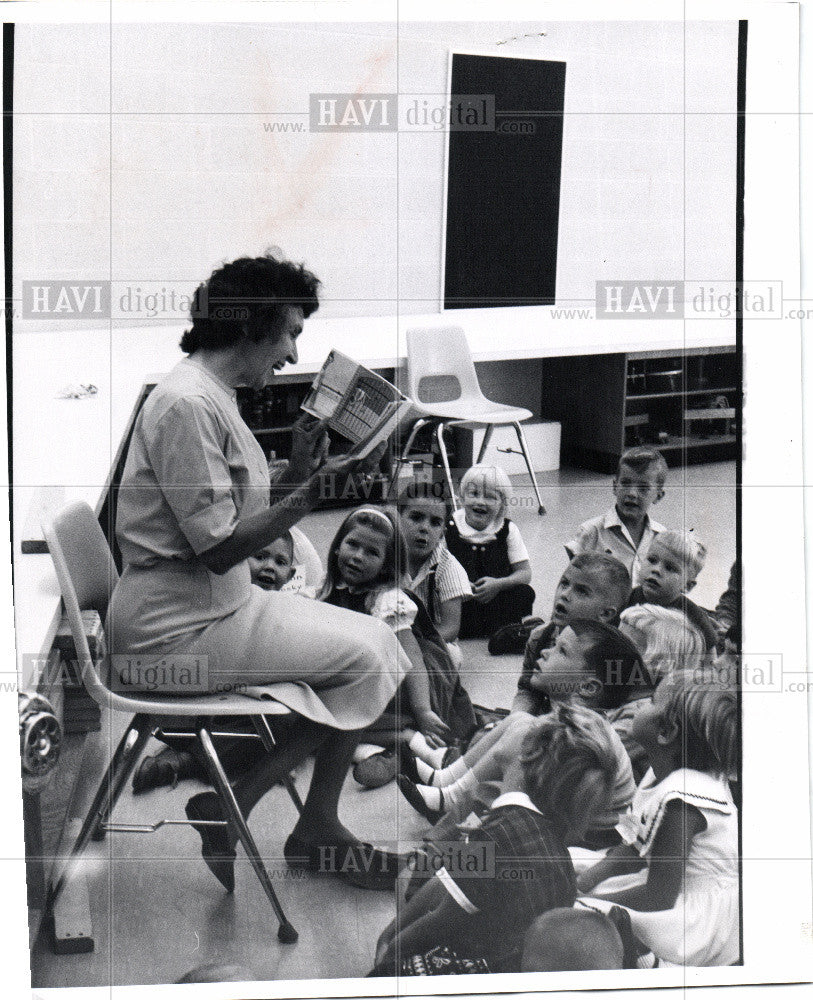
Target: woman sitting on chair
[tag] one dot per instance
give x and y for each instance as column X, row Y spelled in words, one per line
column 195, row 502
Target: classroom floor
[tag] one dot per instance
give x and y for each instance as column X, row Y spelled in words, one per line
column 157, row 911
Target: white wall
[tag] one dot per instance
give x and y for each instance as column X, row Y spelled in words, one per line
column 182, row 174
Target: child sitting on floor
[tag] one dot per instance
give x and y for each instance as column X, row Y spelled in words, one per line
column 364, row 574
column 682, row 827
column 626, row 530
column 669, row 572
column 557, row 784
column 667, row 642
column 595, row 586
column 569, row 939
column 490, row 548
column 592, row 664
column 436, row 576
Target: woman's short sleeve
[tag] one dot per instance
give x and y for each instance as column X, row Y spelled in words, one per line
column 186, row 453
column 395, row 608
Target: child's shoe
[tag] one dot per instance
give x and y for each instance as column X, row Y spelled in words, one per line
column 512, row 638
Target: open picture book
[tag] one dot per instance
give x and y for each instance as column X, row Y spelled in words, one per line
column 357, row 403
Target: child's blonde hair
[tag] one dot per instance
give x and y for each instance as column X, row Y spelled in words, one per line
column 491, row 477
column 666, row 638
column 686, row 547
column 702, row 706
column 570, row 767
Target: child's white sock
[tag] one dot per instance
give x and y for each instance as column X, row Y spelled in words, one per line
column 363, row 751
column 457, row 796
column 425, row 772
column 422, row 750
column 449, row 775
column 433, row 797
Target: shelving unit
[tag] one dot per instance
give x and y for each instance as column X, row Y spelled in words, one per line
column 685, row 403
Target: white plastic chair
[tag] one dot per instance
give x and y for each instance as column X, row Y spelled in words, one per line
column 442, row 381
column 87, row 576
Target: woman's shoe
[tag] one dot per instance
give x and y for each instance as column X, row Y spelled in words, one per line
column 217, row 852
column 410, row 792
column 362, row 864
column 159, row 771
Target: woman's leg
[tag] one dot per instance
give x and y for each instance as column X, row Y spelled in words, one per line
column 252, row 786
column 319, row 821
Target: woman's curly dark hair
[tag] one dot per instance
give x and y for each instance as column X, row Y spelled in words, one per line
column 248, row 295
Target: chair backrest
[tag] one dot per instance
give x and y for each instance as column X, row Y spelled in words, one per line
column 87, row 575
column 439, row 365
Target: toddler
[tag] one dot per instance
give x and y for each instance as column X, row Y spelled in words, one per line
column 669, row 572
column 560, row 780
column 490, row 548
column 626, row 530
column 682, row 828
column 436, row 576
column 595, row 586
column 273, row 567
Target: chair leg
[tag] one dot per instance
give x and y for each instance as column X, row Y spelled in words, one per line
column 486, row 440
column 286, row 934
column 526, row 455
column 270, row 744
column 123, row 773
column 404, row 453
column 444, row 457
column 107, row 794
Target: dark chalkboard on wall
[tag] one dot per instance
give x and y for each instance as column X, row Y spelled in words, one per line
column 502, row 197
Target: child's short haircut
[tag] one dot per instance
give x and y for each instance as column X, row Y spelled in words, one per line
column 686, row 547
column 642, row 460
column 702, row 704
column 571, row 939
column 416, row 491
column 614, row 575
column 570, row 767
column 614, row 660
column 670, row 641
column 492, row 477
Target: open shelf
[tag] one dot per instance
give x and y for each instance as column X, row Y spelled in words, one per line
column 711, row 391
column 261, row 431
column 607, row 403
column 693, row 441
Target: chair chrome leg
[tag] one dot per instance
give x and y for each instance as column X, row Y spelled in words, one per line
column 119, row 770
column 286, row 934
column 486, row 440
column 404, row 453
column 270, row 744
column 444, row 457
column 525, row 454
